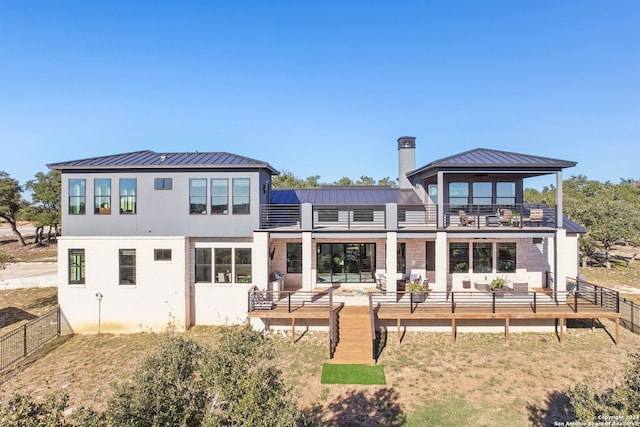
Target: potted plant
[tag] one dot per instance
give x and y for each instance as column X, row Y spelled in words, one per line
column 417, row 290
column 499, row 286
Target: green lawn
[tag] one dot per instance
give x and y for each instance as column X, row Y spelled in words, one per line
column 353, row 374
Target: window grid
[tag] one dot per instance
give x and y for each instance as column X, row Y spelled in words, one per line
column 127, row 258
column 76, row 267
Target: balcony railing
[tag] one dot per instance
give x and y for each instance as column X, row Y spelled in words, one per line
column 408, row 216
column 280, row 216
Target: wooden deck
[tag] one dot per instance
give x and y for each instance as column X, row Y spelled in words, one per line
column 506, row 312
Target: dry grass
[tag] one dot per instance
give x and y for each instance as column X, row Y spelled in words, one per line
column 486, row 382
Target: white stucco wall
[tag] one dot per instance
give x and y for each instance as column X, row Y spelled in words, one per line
column 158, row 298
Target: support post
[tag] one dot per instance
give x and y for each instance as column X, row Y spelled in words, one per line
column 453, row 330
column 561, row 329
column 506, row 331
column 293, row 330
column 617, row 331
column 399, row 336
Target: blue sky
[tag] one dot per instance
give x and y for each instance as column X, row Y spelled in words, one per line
column 321, row 88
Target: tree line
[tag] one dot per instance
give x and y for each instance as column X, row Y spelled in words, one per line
column 607, row 211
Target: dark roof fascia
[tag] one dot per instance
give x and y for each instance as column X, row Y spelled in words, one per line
column 139, row 160
column 155, row 169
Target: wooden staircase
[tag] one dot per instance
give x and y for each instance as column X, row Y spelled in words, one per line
column 355, row 345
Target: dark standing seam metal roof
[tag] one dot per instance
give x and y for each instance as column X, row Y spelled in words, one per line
column 485, row 158
column 358, row 195
column 152, row 160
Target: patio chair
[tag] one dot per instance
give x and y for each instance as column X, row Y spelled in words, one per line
column 381, row 281
column 505, row 216
column 260, row 301
column 465, row 219
column 536, row 216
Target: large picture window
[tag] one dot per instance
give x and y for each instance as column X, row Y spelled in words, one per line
column 77, row 196
column 506, row 257
column 458, row 194
column 102, row 196
column 128, row 192
column 203, row 265
column 198, row 196
column 76, row 266
column 127, row 258
column 506, row 193
column 482, row 193
column 482, row 257
column 241, row 190
column 346, row 262
column 458, row 257
column 219, row 196
column 294, row 257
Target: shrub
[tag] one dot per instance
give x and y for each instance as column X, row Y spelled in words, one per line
column 621, row 400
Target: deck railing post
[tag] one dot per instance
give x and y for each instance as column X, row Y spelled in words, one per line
column 58, row 316
column 632, row 318
column 453, row 303
column 493, row 301
column 617, row 302
column 535, row 302
column 289, row 301
column 24, row 340
column 411, row 302
column 575, row 301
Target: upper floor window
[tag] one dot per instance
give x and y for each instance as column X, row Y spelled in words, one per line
column 162, row 183
column 128, row 195
column 219, row 196
column 458, row 193
column 506, row 193
column 77, row 196
column 102, row 196
column 127, row 264
column 482, row 193
column 198, row 196
column 241, row 187
column 76, row 266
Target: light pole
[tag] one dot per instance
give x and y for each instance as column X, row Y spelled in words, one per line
column 99, row 298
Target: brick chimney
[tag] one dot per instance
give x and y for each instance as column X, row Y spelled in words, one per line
column 406, row 159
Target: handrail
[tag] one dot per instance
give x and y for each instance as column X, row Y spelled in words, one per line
column 373, row 325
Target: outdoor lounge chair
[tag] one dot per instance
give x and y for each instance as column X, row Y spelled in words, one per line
column 505, row 216
column 381, row 281
column 465, row 219
column 260, row 301
column 536, row 216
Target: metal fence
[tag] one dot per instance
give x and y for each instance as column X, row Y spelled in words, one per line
column 629, row 310
column 26, row 339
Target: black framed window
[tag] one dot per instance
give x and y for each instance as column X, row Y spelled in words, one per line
column 76, row 266
column 506, row 193
column 77, row 196
column 128, row 196
column 458, row 193
column 240, row 194
column 243, row 265
column 219, row 196
column 223, row 267
column 162, row 254
column 482, row 193
column 294, row 257
column 506, row 257
column 346, row 262
column 458, row 257
column 127, row 263
column 401, row 257
column 482, row 257
column 102, row 196
column 163, row 184
column 197, row 196
column 203, row 265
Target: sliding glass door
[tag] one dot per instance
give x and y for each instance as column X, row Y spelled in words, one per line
column 346, row 262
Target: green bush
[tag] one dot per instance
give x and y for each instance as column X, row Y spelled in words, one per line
column 619, row 400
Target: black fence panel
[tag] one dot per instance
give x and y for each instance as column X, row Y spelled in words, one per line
column 26, row 339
